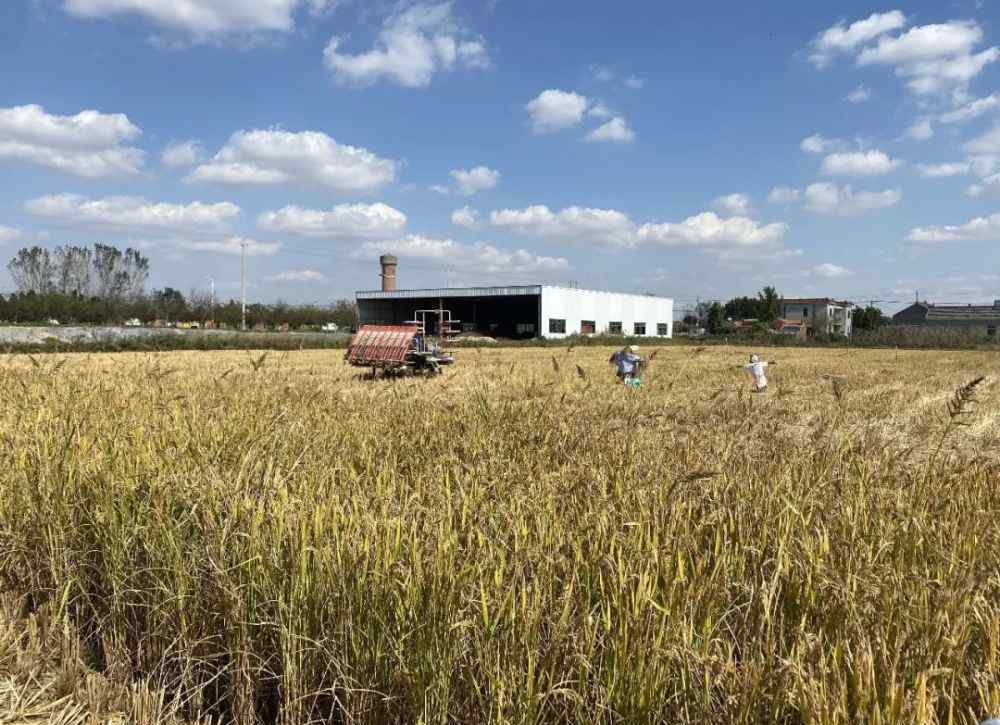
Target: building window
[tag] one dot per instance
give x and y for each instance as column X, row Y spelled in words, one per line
column 662, row 329
column 805, row 312
column 525, row 328
column 614, row 328
column 991, row 331
column 639, row 328
column 588, row 327
column 557, row 327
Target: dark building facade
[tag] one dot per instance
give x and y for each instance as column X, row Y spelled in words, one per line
column 981, row 320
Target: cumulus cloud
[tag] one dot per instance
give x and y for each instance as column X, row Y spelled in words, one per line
column 608, row 227
column 784, row 195
column 479, row 258
column 440, row 189
column 935, row 171
column 472, row 181
column 89, row 144
column 615, row 130
column 230, row 245
column 981, row 228
column 182, row 153
column 466, row 217
column 8, row 234
column 817, row 144
column 555, row 110
column 859, row 95
column 600, row 110
column 827, row 198
column 972, row 109
column 342, row 222
column 858, row 163
column 298, row 275
column 309, row 158
column 570, row 225
column 735, row 204
column 843, row 38
column 201, row 20
column 829, row 270
column 413, row 45
column 709, row 230
column 919, row 131
column 131, row 213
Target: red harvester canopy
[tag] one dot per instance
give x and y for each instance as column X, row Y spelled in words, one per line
column 378, row 345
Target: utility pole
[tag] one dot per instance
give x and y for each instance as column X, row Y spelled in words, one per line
column 243, row 285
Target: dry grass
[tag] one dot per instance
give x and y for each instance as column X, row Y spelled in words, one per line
column 521, row 541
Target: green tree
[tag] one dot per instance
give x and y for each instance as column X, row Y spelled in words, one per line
column 716, row 319
column 868, row 318
column 769, row 305
column 743, row 308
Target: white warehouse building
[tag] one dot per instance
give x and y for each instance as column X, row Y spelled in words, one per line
column 520, row 311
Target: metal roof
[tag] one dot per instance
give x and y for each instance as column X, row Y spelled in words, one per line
column 508, row 291
column 403, row 294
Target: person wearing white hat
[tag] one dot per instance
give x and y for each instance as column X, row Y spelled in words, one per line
column 627, row 362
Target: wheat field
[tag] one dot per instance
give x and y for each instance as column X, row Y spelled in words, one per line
column 245, row 538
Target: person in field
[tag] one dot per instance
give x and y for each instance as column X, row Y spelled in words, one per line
column 627, row 363
column 757, row 369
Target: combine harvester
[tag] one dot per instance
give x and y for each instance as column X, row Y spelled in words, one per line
column 404, row 348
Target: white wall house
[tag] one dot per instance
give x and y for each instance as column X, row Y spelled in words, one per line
column 820, row 315
column 570, row 311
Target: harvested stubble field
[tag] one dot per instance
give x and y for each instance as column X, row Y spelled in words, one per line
column 273, row 539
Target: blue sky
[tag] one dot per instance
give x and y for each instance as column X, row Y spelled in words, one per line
column 847, row 149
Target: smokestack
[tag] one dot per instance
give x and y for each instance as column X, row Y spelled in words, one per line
column 388, row 263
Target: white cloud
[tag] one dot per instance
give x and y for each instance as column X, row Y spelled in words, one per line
column 988, row 143
column 735, row 204
column 571, row 225
column 599, row 110
column 972, row 109
column 784, row 195
column 842, row 38
column 413, row 44
column 185, row 153
column 231, row 245
column 8, row 234
column 830, row 270
column 602, row 74
column 131, row 213
column 826, row 198
column 709, row 230
column 858, row 163
column 919, row 131
column 989, row 185
column 201, row 19
column 306, row 158
column 299, row 275
column 554, row 110
column 88, row 144
column 859, row 95
column 342, row 222
column 471, row 181
column 817, row 144
column 634, row 83
column 440, row 189
column 935, row 171
column 981, row 229
column 934, row 58
column 465, row 217
column 478, row 258
column 615, row 130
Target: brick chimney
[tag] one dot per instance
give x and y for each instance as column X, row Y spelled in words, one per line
column 388, row 263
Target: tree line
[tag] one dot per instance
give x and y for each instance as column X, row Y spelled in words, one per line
column 104, row 285
column 715, row 317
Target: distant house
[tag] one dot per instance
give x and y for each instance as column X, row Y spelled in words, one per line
column 977, row 319
column 793, row 328
column 819, row 315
